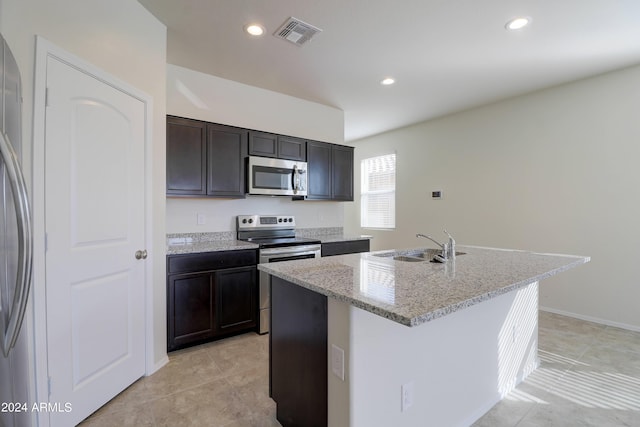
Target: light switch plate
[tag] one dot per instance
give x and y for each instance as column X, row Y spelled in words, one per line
column 406, row 391
column 337, row 361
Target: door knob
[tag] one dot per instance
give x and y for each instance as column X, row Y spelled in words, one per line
column 141, row 254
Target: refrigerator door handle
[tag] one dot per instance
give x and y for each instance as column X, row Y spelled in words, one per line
column 11, row 330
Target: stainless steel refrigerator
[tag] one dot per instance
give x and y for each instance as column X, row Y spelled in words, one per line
column 15, row 233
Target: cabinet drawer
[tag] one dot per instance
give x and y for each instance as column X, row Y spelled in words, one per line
column 211, row 261
column 346, row 247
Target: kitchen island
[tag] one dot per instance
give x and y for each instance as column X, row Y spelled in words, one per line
column 386, row 338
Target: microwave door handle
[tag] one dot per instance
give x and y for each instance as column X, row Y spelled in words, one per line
column 295, row 179
column 11, row 330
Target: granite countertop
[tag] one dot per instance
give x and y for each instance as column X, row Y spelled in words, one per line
column 188, row 243
column 191, row 243
column 329, row 234
column 412, row 293
column 208, row 246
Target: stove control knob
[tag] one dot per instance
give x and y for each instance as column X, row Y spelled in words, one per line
column 279, row 219
column 290, row 219
column 244, row 221
column 250, row 220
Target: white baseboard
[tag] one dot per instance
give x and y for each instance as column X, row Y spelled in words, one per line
column 159, row 364
column 592, row 319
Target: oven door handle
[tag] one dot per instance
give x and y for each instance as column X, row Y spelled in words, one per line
column 293, row 257
column 297, row 250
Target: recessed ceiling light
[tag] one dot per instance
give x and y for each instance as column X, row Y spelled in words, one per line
column 254, row 29
column 388, row 81
column 517, row 23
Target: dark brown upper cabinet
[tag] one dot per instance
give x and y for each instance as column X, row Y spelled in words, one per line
column 341, row 172
column 318, row 170
column 330, row 171
column 227, row 150
column 205, row 159
column 277, row 146
column 292, row 148
column 186, row 157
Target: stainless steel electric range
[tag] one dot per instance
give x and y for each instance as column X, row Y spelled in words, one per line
column 276, row 238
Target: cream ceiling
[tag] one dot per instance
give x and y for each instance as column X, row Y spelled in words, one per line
column 445, row 55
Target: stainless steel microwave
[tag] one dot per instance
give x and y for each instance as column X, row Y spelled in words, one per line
column 276, row 177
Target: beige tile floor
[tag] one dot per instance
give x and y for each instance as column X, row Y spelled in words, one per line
column 219, row 384
column 589, row 376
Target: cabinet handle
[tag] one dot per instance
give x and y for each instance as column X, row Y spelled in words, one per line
column 141, row 254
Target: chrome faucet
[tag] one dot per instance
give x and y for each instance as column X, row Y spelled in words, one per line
column 448, row 249
column 444, row 246
column 452, row 246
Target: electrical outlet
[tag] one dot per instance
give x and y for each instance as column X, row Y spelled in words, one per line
column 202, row 219
column 337, row 361
column 406, row 391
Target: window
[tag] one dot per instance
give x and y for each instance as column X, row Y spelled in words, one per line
column 378, row 192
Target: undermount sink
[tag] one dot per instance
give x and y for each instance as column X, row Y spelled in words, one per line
column 416, row 255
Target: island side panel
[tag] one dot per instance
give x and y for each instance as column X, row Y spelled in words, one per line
column 298, row 354
column 460, row 365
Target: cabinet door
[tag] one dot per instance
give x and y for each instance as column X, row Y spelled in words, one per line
column 263, row 144
column 292, row 148
column 342, row 173
column 298, row 354
column 319, row 170
column 236, row 298
column 190, row 309
column 186, row 157
column 227, row 150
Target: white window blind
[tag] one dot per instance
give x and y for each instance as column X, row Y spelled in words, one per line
column 378, row 192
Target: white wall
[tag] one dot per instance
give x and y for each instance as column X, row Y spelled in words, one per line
column 460, row 365
column 553, row 171
column 125, row 40
column 205, row 97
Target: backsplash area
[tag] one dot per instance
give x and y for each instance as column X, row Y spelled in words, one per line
column 219, row 215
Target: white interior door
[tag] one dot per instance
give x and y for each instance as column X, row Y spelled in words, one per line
column 94, row 161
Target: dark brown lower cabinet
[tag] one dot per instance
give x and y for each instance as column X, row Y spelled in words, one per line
column 236, row 299
column 298, row 355
column 190, row 309
column 345, row 247
column 217, row 300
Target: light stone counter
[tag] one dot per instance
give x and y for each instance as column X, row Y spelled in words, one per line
column 412, row 293
column 329, row 234
column 187, row 243
column 190, row 243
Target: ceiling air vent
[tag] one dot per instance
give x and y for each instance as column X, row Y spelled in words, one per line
column 296, row 31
